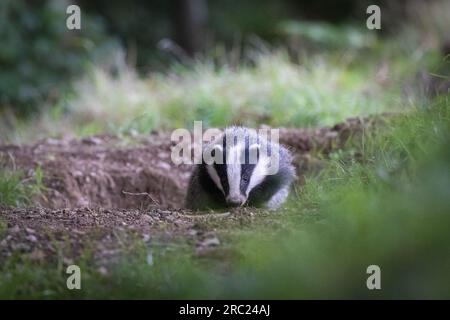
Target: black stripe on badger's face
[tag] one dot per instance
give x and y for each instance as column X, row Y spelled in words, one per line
column 218, row 170
column 221, row 170
column 246, row 174
column 247, row 169
column 239, row 172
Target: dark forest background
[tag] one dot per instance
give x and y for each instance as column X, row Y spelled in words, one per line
column 39, row 57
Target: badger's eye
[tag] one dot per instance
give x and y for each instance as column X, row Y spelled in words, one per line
column 245, row 178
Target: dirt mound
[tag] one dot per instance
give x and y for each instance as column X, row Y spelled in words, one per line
column 108, row 172
column 103, row 171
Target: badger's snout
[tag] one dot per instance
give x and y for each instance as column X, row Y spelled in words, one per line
column 235, row 200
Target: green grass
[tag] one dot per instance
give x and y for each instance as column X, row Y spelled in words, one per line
column 337, row 71
column 389, row 206
column 271, row 88
column 17, row 190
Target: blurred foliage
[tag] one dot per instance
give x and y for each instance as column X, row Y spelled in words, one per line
column 273, row 90
column 39, row 56
column 139, row 25
column 251, row 18
column 142, row 26
column 326, row 35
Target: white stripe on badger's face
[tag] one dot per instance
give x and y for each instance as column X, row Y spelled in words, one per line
column 259, row 173
column 214, row 176
column 234, row 170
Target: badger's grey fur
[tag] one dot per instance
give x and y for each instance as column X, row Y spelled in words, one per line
column 249, row 181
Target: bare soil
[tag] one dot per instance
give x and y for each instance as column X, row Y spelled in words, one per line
column 102, row 192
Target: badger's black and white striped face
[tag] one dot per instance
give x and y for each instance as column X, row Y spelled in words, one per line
column 240, row 167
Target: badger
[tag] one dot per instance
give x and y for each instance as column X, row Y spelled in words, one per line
column 241, row 168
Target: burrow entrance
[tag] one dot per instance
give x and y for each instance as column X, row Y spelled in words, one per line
column 104, row 171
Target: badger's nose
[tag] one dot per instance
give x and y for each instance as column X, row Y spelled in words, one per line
column 235, row 201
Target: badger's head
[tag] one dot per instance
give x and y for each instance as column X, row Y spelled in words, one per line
column 236, row 165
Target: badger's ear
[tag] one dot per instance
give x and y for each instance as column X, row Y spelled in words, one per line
column 254, row 153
